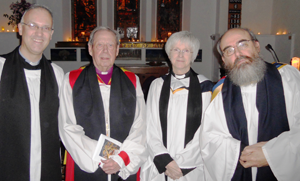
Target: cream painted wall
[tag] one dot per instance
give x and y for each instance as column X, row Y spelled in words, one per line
column 257, row 15
column 223, row 16
column 203, row 28
column 286, row 18
column 8, row 42
column 66, row 28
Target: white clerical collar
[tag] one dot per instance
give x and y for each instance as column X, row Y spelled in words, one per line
column 103, row 73
column 28, row 61
column 179, row 76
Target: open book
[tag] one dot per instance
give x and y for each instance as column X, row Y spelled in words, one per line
column 106, row 146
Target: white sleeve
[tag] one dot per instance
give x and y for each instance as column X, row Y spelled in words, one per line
column 59, row 74
column 154, row 134
column 2, row 60
column 190, row 156
column 134, row 144
column 283, row 152
column 220, row 151
column 80, row 146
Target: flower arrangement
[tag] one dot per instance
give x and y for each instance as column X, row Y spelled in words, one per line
column 18, row 9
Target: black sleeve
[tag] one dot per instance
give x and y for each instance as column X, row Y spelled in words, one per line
column 161, row 161
column 186, row 170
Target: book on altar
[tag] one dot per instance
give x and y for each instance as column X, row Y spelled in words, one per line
column 106, row 147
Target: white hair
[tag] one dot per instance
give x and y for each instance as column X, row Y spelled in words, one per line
column 104, row 28
column 184, row 37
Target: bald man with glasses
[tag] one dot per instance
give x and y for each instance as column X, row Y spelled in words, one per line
column 29, row 88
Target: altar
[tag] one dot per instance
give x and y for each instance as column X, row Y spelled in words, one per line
column 146, row 71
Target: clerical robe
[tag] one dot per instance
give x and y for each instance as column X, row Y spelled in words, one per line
column 33, row 80
column 186, row 156
column 220, row 151
column 81, row 147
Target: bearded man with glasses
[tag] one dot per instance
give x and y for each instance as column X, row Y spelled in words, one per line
column 251, row 128
column 29, row 104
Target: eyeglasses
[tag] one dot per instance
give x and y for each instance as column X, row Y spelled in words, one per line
column 184, row 51
column 109, row 46
column 241, row 45
column 33, row 26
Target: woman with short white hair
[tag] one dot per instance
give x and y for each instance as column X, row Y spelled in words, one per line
column 175, row 106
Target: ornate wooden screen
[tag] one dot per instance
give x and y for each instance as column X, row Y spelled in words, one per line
column 84, row 18
column 127, row 18
column 169, row 17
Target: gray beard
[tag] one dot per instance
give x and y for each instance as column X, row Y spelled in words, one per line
column 247, row 73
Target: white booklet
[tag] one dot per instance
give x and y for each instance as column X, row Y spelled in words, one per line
column 106, row 147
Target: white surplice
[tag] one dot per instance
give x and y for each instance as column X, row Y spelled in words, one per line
column 188, row 157
column 33, row 79
column 82, row 148
column 220, row 150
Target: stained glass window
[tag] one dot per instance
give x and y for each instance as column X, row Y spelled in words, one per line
column 84, row 18
column 168, row 17
column 127, row 21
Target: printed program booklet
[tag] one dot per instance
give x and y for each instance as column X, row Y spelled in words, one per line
column 106, row 146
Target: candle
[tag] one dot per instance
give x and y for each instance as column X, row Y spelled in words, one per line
column 76, row 38
column 82, row 34
column 295, row 62
column 87, row 39
column 169, row 34
column 2, row 29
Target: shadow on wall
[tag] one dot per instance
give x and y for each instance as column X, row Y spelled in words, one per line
column 219, row 58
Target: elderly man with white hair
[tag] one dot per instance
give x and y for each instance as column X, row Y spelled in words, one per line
column 102, row 98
